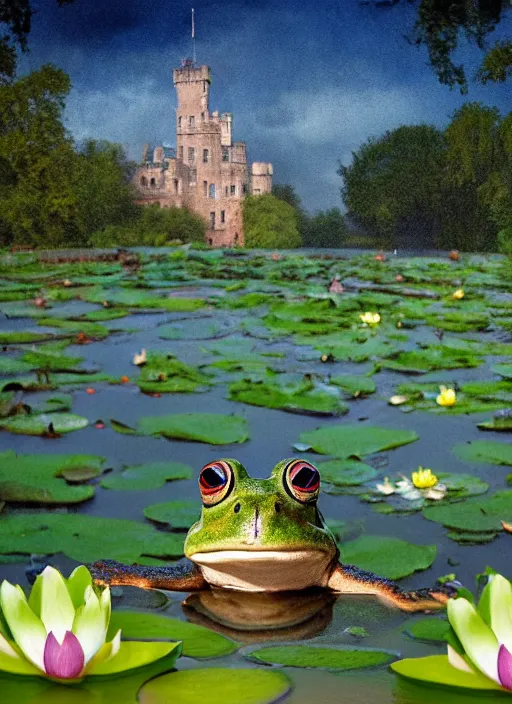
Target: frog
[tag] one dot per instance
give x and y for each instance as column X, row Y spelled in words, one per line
column 263, row 535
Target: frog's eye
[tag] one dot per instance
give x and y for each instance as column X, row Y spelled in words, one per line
column 215, row 482
column 302, row 480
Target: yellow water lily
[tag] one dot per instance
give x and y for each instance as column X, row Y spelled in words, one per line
column 424, row 478
column 60, row 631
column 446, row 397
column 482, row 659
column 458, row 294
column 369, row 318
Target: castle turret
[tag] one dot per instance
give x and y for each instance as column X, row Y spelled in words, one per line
column 261, row 178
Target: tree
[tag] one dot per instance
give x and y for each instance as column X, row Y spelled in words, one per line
column 37, row 201
column 475, row 163
column 286, row 193
column 439, row 25
column 102, row 184
column 270, row 223
column 326, row 229
column 393, row 188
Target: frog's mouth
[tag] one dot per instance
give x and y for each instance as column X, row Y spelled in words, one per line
column 265, row 570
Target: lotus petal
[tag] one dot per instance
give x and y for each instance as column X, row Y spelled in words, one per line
column 477, row 639
column 89, row 625
column 64, row 661
column 133, row 654
column 106, row 652
column 458, row 661
column 500, row 609
column 436, row 669
column 57, row 610
column 77, row 583
column 6, row 647
column 26, row 628
column 505, row 667
column 17, row 665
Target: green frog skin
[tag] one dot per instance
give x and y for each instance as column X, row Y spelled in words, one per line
column 262, row 535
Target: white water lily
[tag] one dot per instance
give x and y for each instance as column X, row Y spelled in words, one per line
column 60, row 632
column 485, row 634
column 140, row 359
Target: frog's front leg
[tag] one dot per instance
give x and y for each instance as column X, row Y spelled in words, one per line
column 184, row 576
column 349, row 579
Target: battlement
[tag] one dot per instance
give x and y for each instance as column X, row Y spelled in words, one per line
column 190, row 73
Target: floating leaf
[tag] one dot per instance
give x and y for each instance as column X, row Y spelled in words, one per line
column 355, row 385
column 316, row 656
column 216, row 686
column 345, row 472
column 356, row 440
column 476, row 515
column 388, row 557
column 196, row 329
column 484, row 452
column 504, row 370
column 430, row 629
column 435, row 669
column 44, row 423
column 198, row 642
column 177, row 514
column 213, row 428
column 86, row 538
column 143, row 477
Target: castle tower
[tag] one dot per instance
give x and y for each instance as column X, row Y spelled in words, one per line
column 208, row 173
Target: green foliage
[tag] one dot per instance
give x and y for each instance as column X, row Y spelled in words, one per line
column 270, row 222
column 326, row 229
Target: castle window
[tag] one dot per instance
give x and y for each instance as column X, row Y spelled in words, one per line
column 175, row 182
column 204, row 86
column 236, row 237
column 210, row 241
column 179, row 122
column 223, row 216
column 202, row 117
column 205, row 156
column 212, row 190
column 181, row 153
column 205, row 189
column 152, row 182
column 244, row 188
column 191, row 155
column 193, row 176
column 192, row 121
column 225, row 154
column 144, row 181
column 227, row 190
column 232, row 189
column 212, row 220
column 256, row 191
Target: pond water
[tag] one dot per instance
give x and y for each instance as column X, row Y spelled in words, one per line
column 272, row 325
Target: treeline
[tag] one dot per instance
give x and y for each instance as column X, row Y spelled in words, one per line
column 418, row 186
column 54, row 193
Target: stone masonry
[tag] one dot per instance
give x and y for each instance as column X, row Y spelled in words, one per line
column 207, row 172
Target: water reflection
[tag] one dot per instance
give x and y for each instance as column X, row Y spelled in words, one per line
column 253, row 617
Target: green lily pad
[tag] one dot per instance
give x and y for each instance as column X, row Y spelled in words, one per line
column 42, row 478
column 44, row 423
column 355, row 385
column 429, row 629
column 213, row 428
column 86, row 538
column 436, row 670
column 198, row 642
column 217, row 686
column 180, row 515
column 431, row 359
column 502, row 422
column 197, row 329
column 73, row 327
column 346, row 472
column 471, row 538
column 163, row 373
column 143, row 477
column 484, row 452
column 356, row 440
column 22, row 337
column 388, row 557
column 302, row 396
column 504, row 370
column 11, row 365
column 316, row 656
column 475, row 515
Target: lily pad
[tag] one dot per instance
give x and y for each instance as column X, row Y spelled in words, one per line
column 198, row 642
column 44, row 423
column 42, row 478
column 179, row 515
column 355, row 385
column 86, row 538
column 356, row 440
column 484, row 452
column 163, row 373
column 216, row 686
column 436, row 670
column 429, row 629
column 213, row 428
column 502, row 421
column 196, row 329
column 388, row 557
column 504, row 370
column 346, row 472
column 475, row 515
column 316, row 656
column 143, row 477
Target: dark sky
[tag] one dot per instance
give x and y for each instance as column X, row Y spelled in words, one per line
column 307, row 81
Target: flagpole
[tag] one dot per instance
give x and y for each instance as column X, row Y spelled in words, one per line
column 193, row 38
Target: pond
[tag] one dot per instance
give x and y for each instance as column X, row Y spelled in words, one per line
column 258, row 339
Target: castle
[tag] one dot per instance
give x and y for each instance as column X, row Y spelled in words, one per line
column 207, row 172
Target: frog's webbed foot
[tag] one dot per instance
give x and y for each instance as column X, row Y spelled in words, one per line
column 349, row 579
column 184, row 576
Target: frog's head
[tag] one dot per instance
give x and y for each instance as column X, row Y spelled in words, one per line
column 261, row 534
